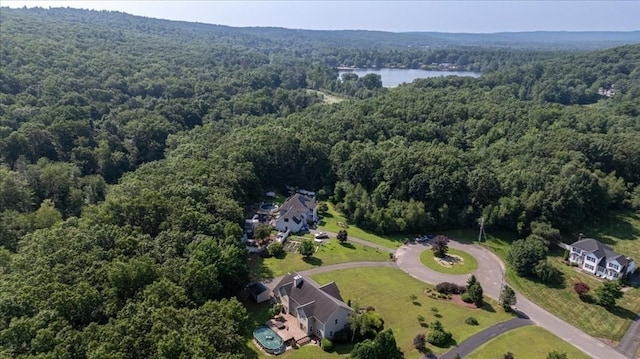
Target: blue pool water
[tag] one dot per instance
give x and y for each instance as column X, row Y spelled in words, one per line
column 269, row 340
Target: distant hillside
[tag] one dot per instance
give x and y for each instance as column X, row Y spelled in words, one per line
column 548, row 40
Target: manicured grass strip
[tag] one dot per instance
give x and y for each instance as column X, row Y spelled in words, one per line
column 329, row 253
column 468, row 265
column 389, row 291
column 334, row 221
column 528, row 342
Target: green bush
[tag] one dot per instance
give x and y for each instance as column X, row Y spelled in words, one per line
column 276, row 249
column 327, row 345
column 471, row 321
column 466, row 298
column 439, row 338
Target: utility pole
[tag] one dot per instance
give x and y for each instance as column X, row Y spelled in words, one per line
column 482, row 234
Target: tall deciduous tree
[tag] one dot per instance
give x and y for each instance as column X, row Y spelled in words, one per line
column 524, row 255
column 307, row 248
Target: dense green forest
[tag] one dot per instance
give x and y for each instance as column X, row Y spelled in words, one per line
column 129, row 148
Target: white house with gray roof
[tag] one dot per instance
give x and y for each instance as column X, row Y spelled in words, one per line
column 296, row 212
column 319, row 310
column 598, row 259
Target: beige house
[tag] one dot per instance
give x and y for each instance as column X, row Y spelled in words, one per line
column 319, row 310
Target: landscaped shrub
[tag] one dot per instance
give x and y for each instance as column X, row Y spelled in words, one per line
column 419, row 341
column 276, row 249
column 327, row 345
column 437, row 335
column 450, row 288
column 581, row 288
column 342, row 336
column 439, row 338
column 466, row 298
column 471, row 321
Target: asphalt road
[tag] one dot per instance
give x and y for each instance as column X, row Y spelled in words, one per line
column 490, row 274
column 484, row 336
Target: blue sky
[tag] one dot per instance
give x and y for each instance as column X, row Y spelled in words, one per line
column 397, row 16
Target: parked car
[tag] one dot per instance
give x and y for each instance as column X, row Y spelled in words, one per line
column 321, row 235
column 421, row 239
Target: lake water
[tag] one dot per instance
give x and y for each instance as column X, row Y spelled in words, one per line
column 394, row 77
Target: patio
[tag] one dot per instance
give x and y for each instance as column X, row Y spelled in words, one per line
column 286, row 325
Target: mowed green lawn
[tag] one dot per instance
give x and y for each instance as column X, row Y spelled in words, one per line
column 389, row 291
column 619, row 230
column 468, row 264
column 331, row 219
column 328, row 253
column 562, row 301
column 530, row 342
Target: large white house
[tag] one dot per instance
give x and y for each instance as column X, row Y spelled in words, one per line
column 319, row 310
column 296, row 212
column 598, row 259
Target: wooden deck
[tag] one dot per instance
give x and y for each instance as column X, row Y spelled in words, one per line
column 291, row 329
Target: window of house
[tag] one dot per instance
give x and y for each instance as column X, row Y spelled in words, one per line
column 331, row 333
column 286, row 219
column 591, row 259
column 588, row 266
column 614, row 266
column 336, row 321
column 615, row 275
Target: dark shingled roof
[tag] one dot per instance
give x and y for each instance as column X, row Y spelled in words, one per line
column 315, row 301
column 599, row 250
column 256, row 288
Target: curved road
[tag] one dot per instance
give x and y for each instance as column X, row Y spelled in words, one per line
column 490, row 274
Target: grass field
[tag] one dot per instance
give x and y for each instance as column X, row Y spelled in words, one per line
column 327, row 97
column 620, row 230
column 539, row 343
column 468, row 264
column 334, row 221
column 388, row 290
column 329, row 253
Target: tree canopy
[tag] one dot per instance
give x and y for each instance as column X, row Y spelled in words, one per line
column 131, row 147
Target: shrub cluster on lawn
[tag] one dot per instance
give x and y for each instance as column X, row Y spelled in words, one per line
column 327, row 345
column 450, row 288
column 582, row 289
column 471, row 321
column 437, row 335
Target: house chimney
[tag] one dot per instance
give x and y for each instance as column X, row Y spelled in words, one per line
column 580, row 236
column 297, row 281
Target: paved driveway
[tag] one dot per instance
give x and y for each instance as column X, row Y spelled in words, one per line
column 490, row 274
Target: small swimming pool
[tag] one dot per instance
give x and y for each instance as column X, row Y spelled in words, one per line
column 268, row 206
column 269, row 340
